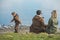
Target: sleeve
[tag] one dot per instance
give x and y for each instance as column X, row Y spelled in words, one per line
column 12, row 20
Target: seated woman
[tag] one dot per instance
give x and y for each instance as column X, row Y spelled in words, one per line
column 52, row 23
column 37, row 23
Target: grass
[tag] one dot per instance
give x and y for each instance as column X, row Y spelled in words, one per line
column 29, row 36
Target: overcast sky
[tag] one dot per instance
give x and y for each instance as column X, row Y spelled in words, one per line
column 27, row 9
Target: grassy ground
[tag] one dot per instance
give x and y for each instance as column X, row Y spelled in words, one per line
column 29, row 36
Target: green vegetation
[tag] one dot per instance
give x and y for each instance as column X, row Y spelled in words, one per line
column 29, row 36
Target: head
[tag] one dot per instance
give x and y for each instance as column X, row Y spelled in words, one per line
column 13, row 13
column 38, row 12
column 54, row 14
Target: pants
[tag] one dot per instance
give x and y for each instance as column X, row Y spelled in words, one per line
column 16, row 27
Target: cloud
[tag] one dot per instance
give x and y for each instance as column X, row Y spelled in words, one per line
column 49, row 4
column 5, row 4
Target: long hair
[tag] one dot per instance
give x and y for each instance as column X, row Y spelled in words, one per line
column 54, row 14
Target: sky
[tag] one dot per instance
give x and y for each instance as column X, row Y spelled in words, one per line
column 26, row 9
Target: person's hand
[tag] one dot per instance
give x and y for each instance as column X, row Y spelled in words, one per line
column 11, row 21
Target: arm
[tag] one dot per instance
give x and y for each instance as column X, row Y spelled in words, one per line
column 12, row 20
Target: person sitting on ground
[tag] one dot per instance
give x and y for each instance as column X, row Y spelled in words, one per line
column 37, row 23
column 52, row 23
